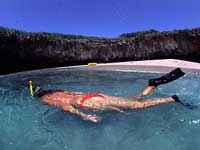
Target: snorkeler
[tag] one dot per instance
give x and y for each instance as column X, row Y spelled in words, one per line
column 74, row 101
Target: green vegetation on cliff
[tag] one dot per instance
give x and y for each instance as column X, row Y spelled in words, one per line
column 14, row 32
column 139, row 34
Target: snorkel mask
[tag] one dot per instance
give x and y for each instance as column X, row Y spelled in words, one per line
column 34, row 91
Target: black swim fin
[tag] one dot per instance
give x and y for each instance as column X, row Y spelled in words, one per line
column 189, row 106
column 171, row 76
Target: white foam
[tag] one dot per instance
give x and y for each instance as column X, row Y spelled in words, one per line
column 195, row 121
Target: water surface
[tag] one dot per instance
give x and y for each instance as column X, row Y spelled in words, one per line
column 26, row 123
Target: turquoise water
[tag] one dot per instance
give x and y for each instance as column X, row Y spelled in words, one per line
column 27, row 124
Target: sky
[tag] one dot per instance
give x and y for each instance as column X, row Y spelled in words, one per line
column 103, row 18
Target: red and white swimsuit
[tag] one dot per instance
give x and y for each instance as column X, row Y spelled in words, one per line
column 56, row 98
column 89, row 96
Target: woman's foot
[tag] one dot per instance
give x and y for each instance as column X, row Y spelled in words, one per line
column 168, row 77
column 176, row 99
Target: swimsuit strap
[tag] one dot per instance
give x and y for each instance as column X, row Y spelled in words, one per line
column 89, row 96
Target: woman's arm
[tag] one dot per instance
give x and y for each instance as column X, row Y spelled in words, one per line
column 84, row 116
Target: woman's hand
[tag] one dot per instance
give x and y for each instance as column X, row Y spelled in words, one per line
column 93, row 118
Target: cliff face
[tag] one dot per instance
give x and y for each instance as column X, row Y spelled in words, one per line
column 25, row 51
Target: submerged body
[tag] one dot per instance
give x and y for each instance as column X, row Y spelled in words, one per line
column 96, row 101
column 73, row 101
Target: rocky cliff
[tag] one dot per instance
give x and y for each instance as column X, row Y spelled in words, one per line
column 25, row 51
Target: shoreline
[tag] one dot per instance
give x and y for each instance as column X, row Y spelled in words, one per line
column 154, row 66
column 148, row 66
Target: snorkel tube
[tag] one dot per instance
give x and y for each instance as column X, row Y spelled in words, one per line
column 31, row 88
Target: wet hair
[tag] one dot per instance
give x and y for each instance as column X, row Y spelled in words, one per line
column 44, row 92
column 39, row 92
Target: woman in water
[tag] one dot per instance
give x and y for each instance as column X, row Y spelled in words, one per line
column 73, row 101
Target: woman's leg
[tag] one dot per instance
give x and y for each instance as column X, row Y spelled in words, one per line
column 145, row 92
column 155, row 101
column 128, row 104
column 153, row 83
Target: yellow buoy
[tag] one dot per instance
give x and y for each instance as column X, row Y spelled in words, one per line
column 92, row 64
